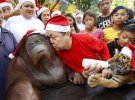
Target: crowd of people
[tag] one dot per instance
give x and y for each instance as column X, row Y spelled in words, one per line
column 74, row 36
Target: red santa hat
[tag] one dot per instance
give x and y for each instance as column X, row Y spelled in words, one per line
column 58, row 23
column 12, row 55
column 78, row 15
column 4, row 3
column 99, row 1
column 55, row 13
column 41, row 9
column 129, row 50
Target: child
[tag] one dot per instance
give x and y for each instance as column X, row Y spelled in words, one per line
column 89, row 19
column 127, row 35
column 119, row 15
column 105, row 18
column 72, row 22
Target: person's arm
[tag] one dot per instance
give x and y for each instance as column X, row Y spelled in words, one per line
column 14, row 40
column 14, row 13
column 100, row 48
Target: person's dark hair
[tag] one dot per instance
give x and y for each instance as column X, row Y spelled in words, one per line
column 130, row 13
column 131, row 21
column 130, row 28
column 74, row 24
column 118, row 8
column 39, row 17
column 89, row 13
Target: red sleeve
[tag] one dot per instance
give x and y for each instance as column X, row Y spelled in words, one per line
column 100, row 47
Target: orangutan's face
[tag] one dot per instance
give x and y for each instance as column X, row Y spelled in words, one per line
column 37, row 47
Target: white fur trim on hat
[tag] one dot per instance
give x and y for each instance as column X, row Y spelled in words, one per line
column 4, row 4
column 79, row 15
column 39, row 31
column 41, row 10
column 56, row 12
column 58, row 28
column 18, row 6
column 127, row 51
column 11, row 56
column 32, row 1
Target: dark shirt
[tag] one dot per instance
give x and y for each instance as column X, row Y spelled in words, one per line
column 102, row 22
column 7, row 45
column 114, row 47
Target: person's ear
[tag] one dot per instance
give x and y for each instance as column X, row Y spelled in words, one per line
column 127, row 17
column 68, row 34
column 119, row 34
column 111, row 19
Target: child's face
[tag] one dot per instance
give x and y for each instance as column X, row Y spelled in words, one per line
column 120, row 16
column 70, row 20
column 126, row 37
column 78, row 20
column 89, row 22
column 105, row 6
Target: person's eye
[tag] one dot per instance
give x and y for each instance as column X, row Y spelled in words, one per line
column 123, row 14
column 54, row 38
column 124, row 37
column 8, row 9
column 32, row 6
column 116, row 15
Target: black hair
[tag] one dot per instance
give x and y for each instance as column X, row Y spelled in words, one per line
column 74, row 24
column 130, row 28
column 89, row 13
column 130, row 13
column 118, row 8
column 39, row 17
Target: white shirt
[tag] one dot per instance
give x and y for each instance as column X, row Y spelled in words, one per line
column 19, row 25
column 81, row 26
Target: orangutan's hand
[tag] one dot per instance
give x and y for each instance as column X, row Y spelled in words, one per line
column 76, row 78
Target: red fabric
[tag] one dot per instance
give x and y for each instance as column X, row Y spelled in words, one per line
column 23, row 38
column 2, row 1
column 132, row 48
column 58, row 20
column 83, row 46
column 133, row 61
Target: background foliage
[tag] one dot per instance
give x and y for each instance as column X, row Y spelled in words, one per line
column 91, row 5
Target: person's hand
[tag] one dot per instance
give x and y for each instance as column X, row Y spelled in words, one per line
column 76, row 78
column 16, row 12
column 91, row 69
column 107, row 73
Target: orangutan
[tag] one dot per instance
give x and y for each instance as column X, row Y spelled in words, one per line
column 35, row 66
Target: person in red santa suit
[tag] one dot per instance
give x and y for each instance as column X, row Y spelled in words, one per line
column 72, row 48
column 19, row 25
